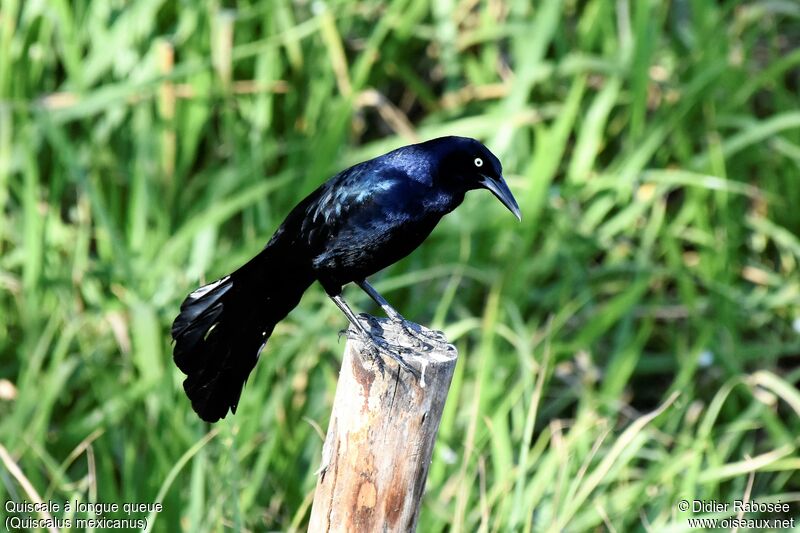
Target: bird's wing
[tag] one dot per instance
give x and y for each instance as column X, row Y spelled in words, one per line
column 352, row 190
column 346, row 195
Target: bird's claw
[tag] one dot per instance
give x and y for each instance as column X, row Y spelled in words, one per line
column 425, row 339
column 379, row 349
column 383, row 348
column 376, row 358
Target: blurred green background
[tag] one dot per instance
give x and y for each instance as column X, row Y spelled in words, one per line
column 654, row 148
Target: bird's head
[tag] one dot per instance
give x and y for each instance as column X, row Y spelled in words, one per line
column 466, row 164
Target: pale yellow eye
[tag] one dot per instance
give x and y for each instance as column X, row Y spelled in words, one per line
column 478, row 162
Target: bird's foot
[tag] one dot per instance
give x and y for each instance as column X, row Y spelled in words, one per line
column 380, row 349
column 425, row 338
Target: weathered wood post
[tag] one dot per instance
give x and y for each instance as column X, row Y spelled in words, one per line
column 380, row 437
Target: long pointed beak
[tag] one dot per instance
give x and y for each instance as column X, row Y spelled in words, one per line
column 503, row 193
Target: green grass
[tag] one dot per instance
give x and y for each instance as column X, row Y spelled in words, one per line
column 633, row 342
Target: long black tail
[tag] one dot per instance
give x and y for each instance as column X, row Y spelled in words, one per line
column 223, row 326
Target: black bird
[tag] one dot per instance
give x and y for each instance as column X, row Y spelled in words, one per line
column 358, row 222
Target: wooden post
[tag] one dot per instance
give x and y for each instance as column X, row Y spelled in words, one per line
column 380, row 437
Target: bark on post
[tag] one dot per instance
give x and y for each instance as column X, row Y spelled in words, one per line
column 381, row 434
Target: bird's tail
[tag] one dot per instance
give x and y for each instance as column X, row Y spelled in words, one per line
column 223, row 326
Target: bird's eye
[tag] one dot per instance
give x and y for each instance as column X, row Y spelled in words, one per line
column 478, row 162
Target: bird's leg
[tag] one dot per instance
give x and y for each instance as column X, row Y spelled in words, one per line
column 422, row 336
column 382, row 347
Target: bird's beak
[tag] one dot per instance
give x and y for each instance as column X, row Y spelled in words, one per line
column 503, row 193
